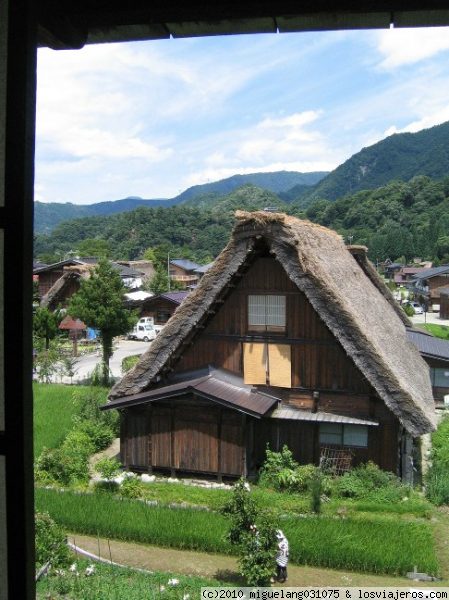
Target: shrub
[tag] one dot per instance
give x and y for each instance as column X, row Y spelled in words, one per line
column 368, row 480
column 440, row 443
column 316, row 490
column 242, row 510
column 51, row 542
column 276, row 463
column 437, row 484
column 257, row 552
column 131, row 488
column 129, row 362
column 409, row 310
column 69, row 463
column 99, row 433
column 108, row 467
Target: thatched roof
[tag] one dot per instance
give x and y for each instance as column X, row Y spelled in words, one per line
column 359, row 313
column 56, row 292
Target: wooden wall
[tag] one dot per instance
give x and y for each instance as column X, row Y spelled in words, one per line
column 188, row 434
column 318, row 360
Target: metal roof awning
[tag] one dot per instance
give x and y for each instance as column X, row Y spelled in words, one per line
column 217, row 386
column 296, row 414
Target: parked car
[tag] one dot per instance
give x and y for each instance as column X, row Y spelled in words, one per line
column 417, row 308
column 144, row 332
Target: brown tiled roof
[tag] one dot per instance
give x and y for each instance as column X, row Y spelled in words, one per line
column 215, row 385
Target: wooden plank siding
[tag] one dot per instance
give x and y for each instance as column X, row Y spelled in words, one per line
column 188, row 434
column 318, row 361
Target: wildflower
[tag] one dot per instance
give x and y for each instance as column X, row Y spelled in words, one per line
column 90, row 570
column 186, row 597
column 173, row 581
column 162, row 588
column 246, row 486
column 73, row 568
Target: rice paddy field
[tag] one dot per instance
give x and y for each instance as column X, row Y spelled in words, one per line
column 376, row 544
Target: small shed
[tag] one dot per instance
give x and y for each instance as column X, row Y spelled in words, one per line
column 74, row 327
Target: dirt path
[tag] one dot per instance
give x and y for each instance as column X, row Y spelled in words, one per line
column 224, row 568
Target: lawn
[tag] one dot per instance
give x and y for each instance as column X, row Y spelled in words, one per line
column 439, row 331
column 55, row 406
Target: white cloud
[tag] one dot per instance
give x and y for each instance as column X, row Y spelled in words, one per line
column 401, row 47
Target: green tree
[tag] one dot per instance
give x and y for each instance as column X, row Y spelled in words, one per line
column 45, row 324
column 99, row 303
column 94, row 247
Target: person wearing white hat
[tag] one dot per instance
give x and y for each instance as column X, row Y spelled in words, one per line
column 281, row 556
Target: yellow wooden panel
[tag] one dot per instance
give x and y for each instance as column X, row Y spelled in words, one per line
column 279, row 362
column 255, row 363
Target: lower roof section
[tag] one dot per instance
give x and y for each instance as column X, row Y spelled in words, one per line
column 229, row 390
column 295, row 414
column 212, row 384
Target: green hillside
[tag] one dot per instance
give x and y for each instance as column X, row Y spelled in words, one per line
column 401, row 219
column 48, row 215
column 400, row 156
column 189, row 231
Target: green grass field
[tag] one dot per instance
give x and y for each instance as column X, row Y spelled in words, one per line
column 439, row 331
column 110, row 582
column 55, row 406
column 375, row 545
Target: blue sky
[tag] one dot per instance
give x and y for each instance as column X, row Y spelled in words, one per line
column 151, row 119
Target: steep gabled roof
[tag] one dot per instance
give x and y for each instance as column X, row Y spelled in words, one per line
column 360, row 316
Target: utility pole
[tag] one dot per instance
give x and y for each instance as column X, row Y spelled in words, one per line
column 168, row 269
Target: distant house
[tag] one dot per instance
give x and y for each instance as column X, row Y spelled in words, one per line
column 290, row 338
column 163, row 306
column 405, row 275
column 428, row 283
column 435, row 352
column 184, row 272
column 58, row 282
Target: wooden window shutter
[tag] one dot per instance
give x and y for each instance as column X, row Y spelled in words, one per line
column 255, row 363
column 279, row 361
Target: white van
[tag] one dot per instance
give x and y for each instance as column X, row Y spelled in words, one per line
column 145, row 332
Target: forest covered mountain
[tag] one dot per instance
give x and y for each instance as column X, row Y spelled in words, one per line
column 399, row 156
column 400, row 219
column 48, row 215
column 407, row 216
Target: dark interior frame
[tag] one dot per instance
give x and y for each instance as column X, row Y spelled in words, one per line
column 63, row 24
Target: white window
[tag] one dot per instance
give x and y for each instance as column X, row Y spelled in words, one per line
column 336, row 434
column 266, row 313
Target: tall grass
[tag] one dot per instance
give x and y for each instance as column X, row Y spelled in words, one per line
column 377, row 546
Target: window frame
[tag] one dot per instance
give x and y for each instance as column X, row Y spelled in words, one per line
column 268, row 309
column 341, row 430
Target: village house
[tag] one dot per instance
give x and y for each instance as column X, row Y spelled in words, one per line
column 184, row 272
column 59, row 281
column 427, row 286
column 290, row 338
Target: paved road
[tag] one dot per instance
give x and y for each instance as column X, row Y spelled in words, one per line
column 122, row 348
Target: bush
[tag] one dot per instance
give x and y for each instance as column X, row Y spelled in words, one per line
column 409, row 310
column 275, row 464
column 129, row 362
column 368, row 480
column 437, row 484
column 69, row 463
column 131, row 488
column 51, row 542
column 108, row 467
column 99, row 433
column 257, row 552
column 242, row 510
column 440, row 443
